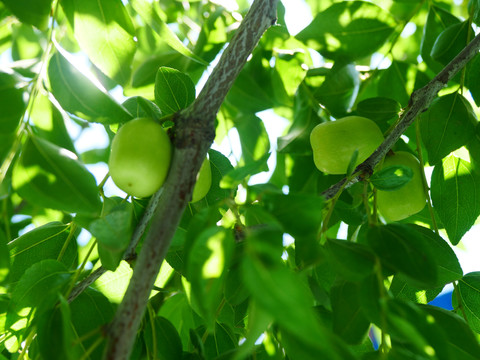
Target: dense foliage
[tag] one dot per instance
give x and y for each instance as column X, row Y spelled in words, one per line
column 269, row 269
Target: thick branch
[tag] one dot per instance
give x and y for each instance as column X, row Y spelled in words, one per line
column 419, row 102
column 194, row 133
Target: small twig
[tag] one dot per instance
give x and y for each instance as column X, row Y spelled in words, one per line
column 420, row 100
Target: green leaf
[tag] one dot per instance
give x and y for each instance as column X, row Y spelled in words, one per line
column 50, row 123
column 392, row 177
column 461, row 341
column 415, row 330
column 178, row 311
column 305, row 118
column 455, row 192
column 140, row 107
column 12, row 102
column 162, row 339
column 43, row 242
column 339, row 90
column 395, row 81
column 253, row 89
column 379, row 108
column 307, row 209
column 353, row 261
column 174, row 90
column 221, row 341
column 114, row 229
column 239, row 174
column 471, row 78
column 402, row 249
column 55, row 336
column 207, row 262
column 40, row 285
column 447, row 125
column 33, row 12
column 4, row 257
column 105, row 32
column 114, row 284
column 448, row 267
column 438, row 19
column 284, row 295
column 400, row 289
column 253, row 137
column 148, row 13
column 450, row 42
column 50, row 176
column 90, row 311
column 349, row 29
column 113, row 232
column 220, row 166
column 469, row 294
column 349, row 322
column 27, row 42
column 79, row 96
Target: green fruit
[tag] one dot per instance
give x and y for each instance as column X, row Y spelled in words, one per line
column 335, row 142
column 140, row 157
column 204, row 181
column 409, row 199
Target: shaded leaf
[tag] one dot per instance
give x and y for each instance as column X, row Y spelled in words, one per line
column 50, row 176
column 239, row 174
column 401, row 249
column 55, row 336
column 12, row 102
column 339, row 90
column 349, row 29
column 438, row 19
column 379, row 108
column 40, row 286
column 4, row 257
column 469, row 293
column 50, row 123
column 447, row 125
column 207, row 262
column 148, row 13
column 34, row 12
column 43, row 242
column 450, row 42
column 282, row 294
column 461, row 341
column 162, row 339
column 90, row 311
column 353, row 261
column 392, row 178
column 349, row 322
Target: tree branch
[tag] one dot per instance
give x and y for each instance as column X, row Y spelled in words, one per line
column 194, row 133
column 420, row 100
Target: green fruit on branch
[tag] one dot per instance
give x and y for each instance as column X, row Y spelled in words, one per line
column 140, row 157
column 409, row 199
column 204, row 181
column 335, row 142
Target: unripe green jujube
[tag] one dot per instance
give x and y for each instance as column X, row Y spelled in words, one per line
column 140, row 157
column 335, row 142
